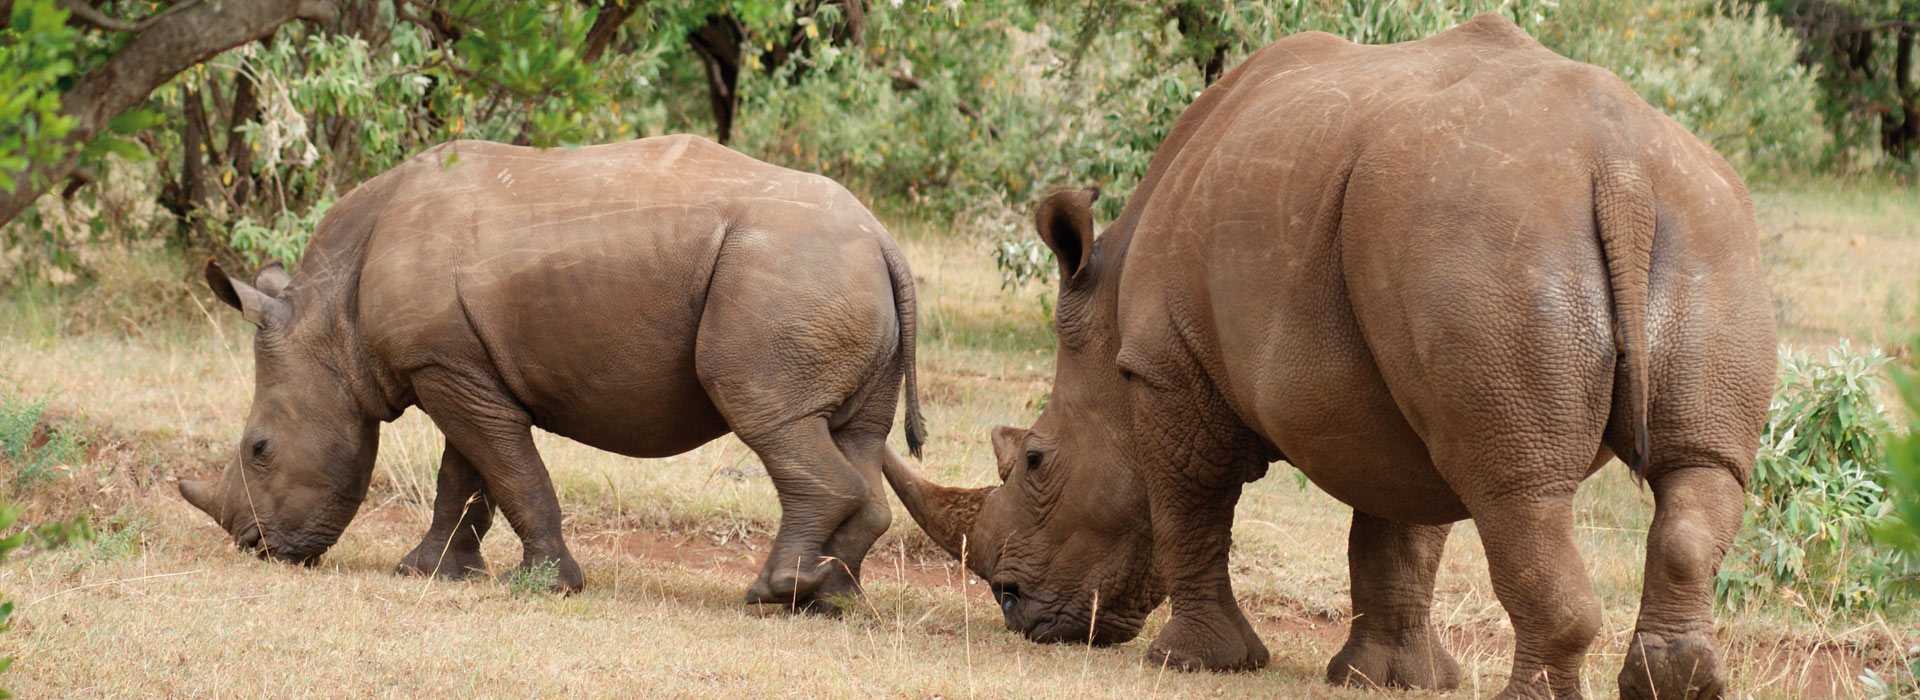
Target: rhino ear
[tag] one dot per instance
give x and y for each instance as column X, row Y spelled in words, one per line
column 273, row 279
column 1065, row 222
column 259, row 309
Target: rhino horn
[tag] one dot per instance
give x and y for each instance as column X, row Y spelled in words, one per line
column 200, row 493
column 945, row 513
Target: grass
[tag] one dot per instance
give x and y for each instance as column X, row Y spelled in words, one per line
column 670, row 545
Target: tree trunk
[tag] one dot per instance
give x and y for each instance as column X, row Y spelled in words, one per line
column 718, row 44
column 246, row 108
column 606, row 26
column 1901, row 138
column 169, row 45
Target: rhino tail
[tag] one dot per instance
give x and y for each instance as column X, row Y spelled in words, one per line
column 907, row 308
column 1624, row 218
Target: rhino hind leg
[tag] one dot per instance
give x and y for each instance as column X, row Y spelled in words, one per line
column 819, row 490
column 1540, row 580
column 864, row 443
column 462, row 514
column 1671, row 653
column 1392, row 643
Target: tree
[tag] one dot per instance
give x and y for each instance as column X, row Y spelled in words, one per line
column 122, row 72
column 1865, row 49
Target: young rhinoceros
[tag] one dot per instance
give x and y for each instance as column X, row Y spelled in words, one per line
column 643, row 298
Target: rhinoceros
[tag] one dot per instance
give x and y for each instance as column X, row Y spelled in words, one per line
column 1445, row 279
column 643, row 298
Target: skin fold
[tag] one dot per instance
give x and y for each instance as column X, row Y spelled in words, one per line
column 1445, row 279
column 643, row 298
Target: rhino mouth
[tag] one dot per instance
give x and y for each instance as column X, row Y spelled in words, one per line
column 297, row 550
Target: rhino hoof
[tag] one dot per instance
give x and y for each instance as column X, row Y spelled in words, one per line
column 450, row 565
column 1422, row 664
column 1185, row 646
column 1680, row 668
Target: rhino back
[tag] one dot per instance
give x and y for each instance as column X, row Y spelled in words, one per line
column 576, row 277
column 1346, row 202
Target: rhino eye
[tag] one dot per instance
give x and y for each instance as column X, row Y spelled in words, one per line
column 1034, row 458
column 258, row 452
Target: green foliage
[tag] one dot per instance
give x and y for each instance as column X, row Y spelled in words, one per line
column 1727, row 73
column 34, row 65
column 19, row 427
column 963, row 112
column 534, row 579
column 1021, row 260
column 1903, row 460
column 1857, row 46
column 1819, row 490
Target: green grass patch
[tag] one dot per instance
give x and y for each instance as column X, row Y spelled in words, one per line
column 33, row 451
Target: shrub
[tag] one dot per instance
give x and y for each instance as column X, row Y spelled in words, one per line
column 1728, row 73
column 1903, row 458
column 535, row 579
column 33, row 451
column 1819, row 489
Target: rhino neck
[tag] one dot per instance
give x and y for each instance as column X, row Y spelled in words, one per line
column 327, row 301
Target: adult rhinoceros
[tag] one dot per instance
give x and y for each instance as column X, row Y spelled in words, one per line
column 643, row 298
column 1446, row 279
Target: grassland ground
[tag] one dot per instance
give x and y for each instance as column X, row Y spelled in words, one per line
column 160, row 605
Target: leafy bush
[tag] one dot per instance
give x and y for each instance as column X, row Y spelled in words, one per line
column 536, row 579
column 1903, row 459
column 19, row 429
column 1728, row 73
column 1819, row 490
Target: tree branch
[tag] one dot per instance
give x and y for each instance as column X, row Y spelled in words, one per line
column 175, row 41
column 606, row 26
column 86, row 12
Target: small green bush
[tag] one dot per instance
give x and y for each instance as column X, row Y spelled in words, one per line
column 536, row 579
column 1903, row 460
column 19, row 424
column 1819, row 490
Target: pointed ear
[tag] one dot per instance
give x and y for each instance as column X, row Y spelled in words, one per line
column 1065, row 222
column 273, row 280
column 258, row 308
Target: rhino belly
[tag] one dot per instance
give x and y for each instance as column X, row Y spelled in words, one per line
column 594, row 328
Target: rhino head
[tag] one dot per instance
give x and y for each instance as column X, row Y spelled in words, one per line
column 303, row 464
column 1064, row 541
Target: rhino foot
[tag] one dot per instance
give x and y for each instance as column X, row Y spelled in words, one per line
column 1190, row 645
column 799, row 592
column 1680, row 668
column 444, row 563
column 1421, row 663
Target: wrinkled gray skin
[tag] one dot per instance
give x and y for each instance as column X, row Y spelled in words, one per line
column 643, row 298
column 1445, row 279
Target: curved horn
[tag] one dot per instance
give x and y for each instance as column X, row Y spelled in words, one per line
column 200, row 494
column 945, row 513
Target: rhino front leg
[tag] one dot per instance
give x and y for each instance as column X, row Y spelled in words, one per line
column 1392, row 644
column 496, row 436
column 462, row 514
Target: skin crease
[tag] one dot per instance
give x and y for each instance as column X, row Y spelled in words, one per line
column 1444, row 279
column 643, row 298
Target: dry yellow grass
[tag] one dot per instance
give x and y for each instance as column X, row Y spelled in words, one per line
column 167, row 608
